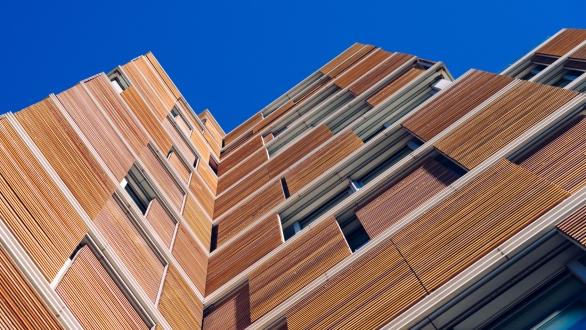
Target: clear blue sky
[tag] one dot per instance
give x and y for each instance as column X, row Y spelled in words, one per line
column 234, row 58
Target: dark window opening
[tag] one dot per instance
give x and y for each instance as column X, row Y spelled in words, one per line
column 214, row 238
column 566, row 77
column 213, row 165
column 285, row 188
column 139, row 190
column 533, row 71
column 354, row 233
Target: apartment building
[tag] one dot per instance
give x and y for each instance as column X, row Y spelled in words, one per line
column 379, row 192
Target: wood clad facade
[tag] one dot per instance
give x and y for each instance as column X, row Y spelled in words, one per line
column 502, row 121
column 234, row 158
column 255, row 161
column 243, row 128
column 454, row 103
column 203, row 194
column 360, row 69
column 191, row 257
column 575, row 226
column 346, row 59
column 161, row 221
column 381, row 71
column 163, row 74
column 563, row 42
column 232, row 313
column 194, row 216
column 178, row 304
column 293, row 267
column 161, row 175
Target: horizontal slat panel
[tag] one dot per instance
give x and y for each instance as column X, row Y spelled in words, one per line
column 128, row 243
column 179, row 166
column 243, row 252
column 148, row 93
column 93, row 296
column 454, row 103
column 161, row 221
column 394, row 86
column 242, row 169
column 238, row 192
column 283, row 109
column 71, row 159
column 163, row 74
column 346, row 59
column 232, row 313
column 178, row 304
column 262, row 202
column 243, row 128
column 563, row 42
column 404, row 195
column 575, row 226
column 191, row 257
column 325, row 158
column 368, row 80
column 164, row 179
column 194, row 217
column 33, row 207
column 234, row 158
column 502, row 121
column 293, row 267
column 360, row 69
column 474, row 220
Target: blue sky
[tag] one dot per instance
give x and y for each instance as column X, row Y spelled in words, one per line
column 235, row 57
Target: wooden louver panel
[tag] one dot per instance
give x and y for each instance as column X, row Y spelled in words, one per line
column 70, row 158
column 20, row 306
column 293, row 267
column 128, row 243
column 193, row 215
column 234, row 158
column 346, row 59
column 33, row 207
column 243, row 168
column 178, row 304
column 93, row 296
column 283, row 109
column 243, row 128
column 394, row 86
column 164, row 179
column 474, row 220
column 201, row 145
column 208, row 176
column 148, row 93
column 157, row 66
column 563, row 42
column 360, row 69
column 161, row 221
column 156, row 84
column 232, row 313
column 179, row 166
column 244, row 251
column 502, row 121
column 95, row 127
column 200, row 191
column 326, row 157
column 371, row 78
column 454, row 103
column 562, row 157
column 191, row 257
column 368, row 294
column 238, row 192
column 178, row 141
column 579, row 54
column 404, row 195
column 575, row 226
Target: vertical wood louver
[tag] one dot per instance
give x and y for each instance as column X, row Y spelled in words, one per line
column 563, row 42
column 238, row 192
column 474, row 220
column 232, row 313
column 164, row 179
column 404, row 195
column 161, row 221
column 95, row 127
column 244, row 127
column 295, row 266
column 156, row 85
column 71, row 159
column 208, row 176
column 575, row 226
column 371, row 78
column 360, row 69
column 33, row 207
column 561, row 158
column 255, row 161
column 204, row 196
column 179, row 166
column 178, row 141
column 234, row 158
column 20, row 306
column 201, row 145
column 129, row 244
column 94, row 298
column 394, row 86
column 178, row 304
column 283, row 109
column 346, row 59
column 191, row 257
column 194, row 217
column 159, row 107
column 157, row 66
column 454, row 103
column 238, row 255
column 502, row 121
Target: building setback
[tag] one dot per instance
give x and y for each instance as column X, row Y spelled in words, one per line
column 378, row 192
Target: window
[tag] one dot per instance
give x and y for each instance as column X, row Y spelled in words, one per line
column 354, row 232
column 138, row 189
column 181, row 121
column 118, row 81
column 533, row 70
column 213, row 164
column 566, row 77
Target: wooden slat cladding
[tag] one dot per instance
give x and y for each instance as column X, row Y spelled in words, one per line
column 367, row 295
column 70, row 158
column 178, row 141
column 33, row 207
column 95, row 127
column 502, row 121
column 404, row 195
column 93, row 296
column 243, row 128
column 164, row 179
column 454, row 103
column 579, row 54
column 274, row 116
column 179, row 166
column 293, row 267
column 346, row 59
column 208, row 176
column 204, row 196
column 156, row 83
column 563, row 42
column 262, row 202
column 149, row 121
column 216, row 132
column 148, row 93
column 194, row 217
column 215, row 146
column 368, row 80
column 178, row 304
column 201, row 145
column 474, row 220
column 298, row 150
column 242, row 169
column 191, row 257
column 360, row 69
column 234, row 258
column 129, row 244
column 561, row 158
column 232, row 313
column 318, row 163
column 161, row 221
column 163, row 74
column 234, row 158
column 397, row 83
column 238, row 192
column 20, row 306
column 575, row 226
column 99, row 87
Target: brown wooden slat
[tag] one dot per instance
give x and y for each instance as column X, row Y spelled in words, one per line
column 579, row 54
column 234, row 158
column 474, row 220
column 164, row 179
column 194, row 217
column 235, row 257
column 563, row 43
column 93, row 296
column 575, row 226
column 242, row 169
column 293, row 267
column 326, row 157
column 163, row 74
column 238, row 192
column 283, row 109
column 201, row 145
column 360, row 69
column 368, row 80
column 72, row 160
column 454, row 103
column 178, row 141
column 208, row 176
column 161, row 221
column 393, row 86
column 203, row 195
column 191, row 257
column 502, row 121
column 135, row 71
column 231, row 313
column 178, row 304
column 404, row 195
column 243, row 128
column 346, row 59
column 179, row 166
column 156, row 84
